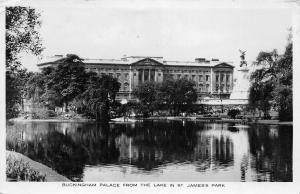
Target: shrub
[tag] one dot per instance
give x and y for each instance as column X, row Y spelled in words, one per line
column 51, row 113
column 21, row 171
column 43, row 114
column 233, row 113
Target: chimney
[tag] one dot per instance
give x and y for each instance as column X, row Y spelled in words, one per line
column 124, row 58
column 58, row 55
column 200, row 60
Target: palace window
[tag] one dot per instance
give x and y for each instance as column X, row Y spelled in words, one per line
column 140, row 75
column 207, row 87
column 200, row 78
column 222, row 87
column 200, row 87
column 194, row 77
column 222, row 77
column 118, row 75
column 227, row 78
column 126, row 85
column 126, row 75
column 207, row 78
column 152, row 74
column 227, row 87
column 217, row 78
column 217, row 87
column 146, row 75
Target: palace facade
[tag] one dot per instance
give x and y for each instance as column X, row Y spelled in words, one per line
column 212, row 78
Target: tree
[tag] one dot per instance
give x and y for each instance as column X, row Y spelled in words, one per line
column 233, row 113
column 179, row 94
column 260, row 97
column 283, row 92
column 272, row 83
column 35, row 87
column 66, row 81
column 99, row 96
column 147, row 93
column 263, row 82
column 22, row 35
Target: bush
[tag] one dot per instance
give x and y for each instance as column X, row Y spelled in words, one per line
column 43, row 114
column 51, row 113
column 233, row 113
column 21, row 171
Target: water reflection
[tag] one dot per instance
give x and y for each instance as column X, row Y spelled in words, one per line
column 157, row 151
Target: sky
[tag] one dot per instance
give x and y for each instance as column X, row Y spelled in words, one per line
column 176, row 33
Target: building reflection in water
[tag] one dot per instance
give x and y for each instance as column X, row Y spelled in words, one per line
column 173, row 150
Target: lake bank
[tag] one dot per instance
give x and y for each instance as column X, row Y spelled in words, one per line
column 50, row 174
column 220, row 120
column 20, row 119
column 178, row 118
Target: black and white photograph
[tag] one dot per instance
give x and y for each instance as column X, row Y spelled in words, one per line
column 133, row 92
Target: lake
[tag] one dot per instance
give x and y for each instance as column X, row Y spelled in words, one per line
column 157, row 150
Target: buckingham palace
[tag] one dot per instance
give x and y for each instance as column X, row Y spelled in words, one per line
column 213, row 78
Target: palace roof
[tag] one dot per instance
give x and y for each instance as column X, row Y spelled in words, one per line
column 199, row 62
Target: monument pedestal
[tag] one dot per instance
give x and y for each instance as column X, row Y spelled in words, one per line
column 241, row 84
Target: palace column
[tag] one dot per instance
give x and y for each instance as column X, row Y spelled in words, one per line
column 219, row 89
column 130, row 81
column 231, row 80
column 226, row 82
column 211, row 81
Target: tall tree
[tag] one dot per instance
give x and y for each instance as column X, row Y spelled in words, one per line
column 179, row 94
column 271, row 83
column 66, row 81
column 99, row 96
column 22, row 35
column 283, row 92
column 147, row 93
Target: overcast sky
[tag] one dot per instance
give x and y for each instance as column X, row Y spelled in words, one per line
column 172, row 32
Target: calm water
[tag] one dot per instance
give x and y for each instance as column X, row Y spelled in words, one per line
column 157, row 151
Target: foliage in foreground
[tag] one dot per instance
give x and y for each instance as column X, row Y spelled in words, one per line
column 21, row 171
column 21, row 36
